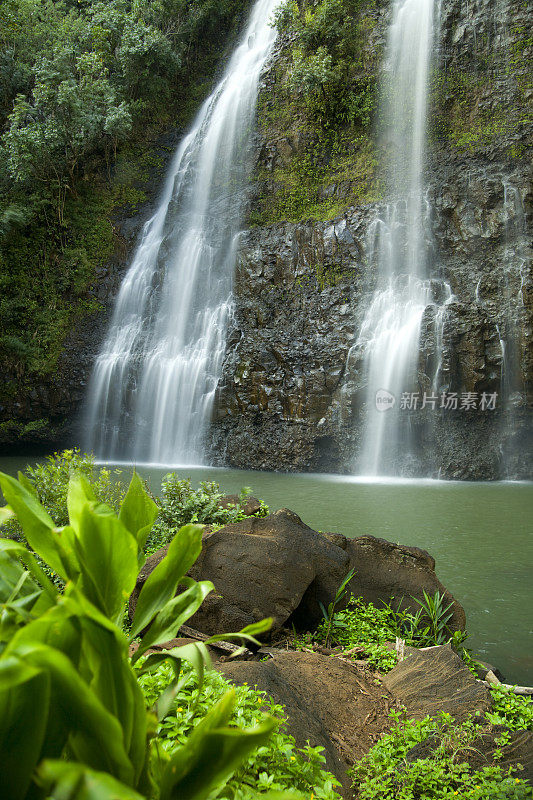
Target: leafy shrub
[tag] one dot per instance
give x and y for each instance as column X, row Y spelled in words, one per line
column 364, row 624
column 180, row 503
column 50, row 481
column 384, row 773
column 278, row 765
column 67, row 685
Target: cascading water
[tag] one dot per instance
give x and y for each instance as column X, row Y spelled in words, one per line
column 153, row 384
column 512, row 389
column 400, row 242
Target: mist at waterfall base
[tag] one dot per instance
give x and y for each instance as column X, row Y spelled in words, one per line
column 154, row 381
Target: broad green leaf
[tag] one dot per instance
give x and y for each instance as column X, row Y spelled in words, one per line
column 37, row 524
column 107, row 553
column 24, row 704
column 112, row 678
column 138, row 511
column 10, row 547
column 80, row 493
column 161, row 584
column 28, row 485
column 95, row 735
column 173, row 615
column 211, row 754
column 55, row 628
column 70, row 781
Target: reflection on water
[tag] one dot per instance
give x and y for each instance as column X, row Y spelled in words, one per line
column 481, row 535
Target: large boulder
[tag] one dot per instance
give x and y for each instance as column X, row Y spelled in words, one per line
column 249, row 505
column 328, row 702
column 436, row 679
column 278, row 567
column 384, row 570
column 266, row 567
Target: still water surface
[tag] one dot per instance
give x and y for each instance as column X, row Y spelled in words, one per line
column 480, row 534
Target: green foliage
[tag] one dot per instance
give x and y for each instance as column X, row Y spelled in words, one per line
column 67, row 686
column 321, row 103
column 330, row 60
column 329, row 612
column 512, row 710
column 276, row 766
column 78, row 83
column 385, row 774
column 181, row 503
column 375, row 628
column 366, row 625
column 428, row 626
column 50, row 481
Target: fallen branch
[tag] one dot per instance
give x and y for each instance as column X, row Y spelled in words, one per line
column 226, row 647
column 492, row 680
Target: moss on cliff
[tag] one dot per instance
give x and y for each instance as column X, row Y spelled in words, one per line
column 316, row 114
column 471, row 112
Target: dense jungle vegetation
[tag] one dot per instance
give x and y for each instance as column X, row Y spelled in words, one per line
column 85, row 90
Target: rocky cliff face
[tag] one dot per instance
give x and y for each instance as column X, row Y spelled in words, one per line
column 292, row 394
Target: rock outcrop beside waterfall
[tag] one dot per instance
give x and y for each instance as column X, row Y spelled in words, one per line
column 292, row 392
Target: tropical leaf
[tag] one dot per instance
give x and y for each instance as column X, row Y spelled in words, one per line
column 173, row 615
column 185, row 776
column 138, row 512
column 71, row 781
column 161, row 584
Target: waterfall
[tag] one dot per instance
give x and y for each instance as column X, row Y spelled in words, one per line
column 512, row 389
column 399, row 244
column 153, row 384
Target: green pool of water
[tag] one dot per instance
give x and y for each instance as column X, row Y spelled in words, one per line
column 480, row 534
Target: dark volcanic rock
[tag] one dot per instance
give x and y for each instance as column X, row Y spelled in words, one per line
column 384, row 570
column 292, row 393
column 278, row 567
column 435, row 680
column 328, row 703
column 266, row 567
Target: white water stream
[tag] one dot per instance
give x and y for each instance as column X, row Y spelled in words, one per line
column 399, row 241
column 154, row 381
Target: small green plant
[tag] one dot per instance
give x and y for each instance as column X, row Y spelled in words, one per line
column 329, row 613
column 277, row 766
column 509, row 709
column 428, row 626
column 386, row 774
column 366, row 625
